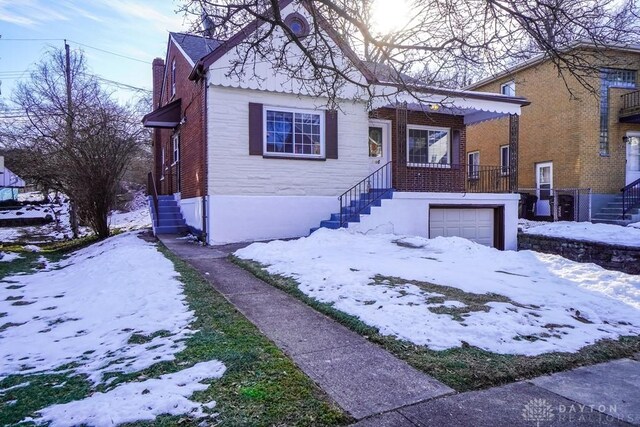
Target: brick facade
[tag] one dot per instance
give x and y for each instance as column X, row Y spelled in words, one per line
column 187, row 175
column 560, row 126
column 408, row 178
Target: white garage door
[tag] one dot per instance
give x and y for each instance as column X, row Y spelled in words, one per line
column 472, row 224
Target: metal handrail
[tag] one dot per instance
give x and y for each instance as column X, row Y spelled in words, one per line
column 351, row 201
column 630, row 196
column 152, row 191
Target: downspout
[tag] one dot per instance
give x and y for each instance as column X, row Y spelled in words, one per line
column 205, row 161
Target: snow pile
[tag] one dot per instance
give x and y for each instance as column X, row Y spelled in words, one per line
column 86, row 308
column 603, row 233
column 31, row 211
column 9, row 256
column 138, row 401
column 136, row 218
column 58, row 229
column 551, row 304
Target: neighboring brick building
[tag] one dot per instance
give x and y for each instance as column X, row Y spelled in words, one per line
column 562, row 140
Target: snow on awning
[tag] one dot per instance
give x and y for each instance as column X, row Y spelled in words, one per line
column 167, row 117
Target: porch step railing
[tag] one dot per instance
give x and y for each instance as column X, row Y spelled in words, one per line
column 365, row 193
column 630, row 196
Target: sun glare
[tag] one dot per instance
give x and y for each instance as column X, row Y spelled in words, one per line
column 389, row 15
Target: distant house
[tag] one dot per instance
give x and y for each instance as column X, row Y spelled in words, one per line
column 580, row 141
column 261, row 158
column 10, row 185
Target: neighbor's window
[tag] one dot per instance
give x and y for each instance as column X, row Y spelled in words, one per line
column 173, row 77
column 375, row 141
column 428, row 146
column 509, row 88
column 504, row 160
column 175, row 140
column 610, row 77
column 293, row 132
column 473, row 164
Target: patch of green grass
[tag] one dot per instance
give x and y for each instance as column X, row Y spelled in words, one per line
column 261, row 387
column 464, row 368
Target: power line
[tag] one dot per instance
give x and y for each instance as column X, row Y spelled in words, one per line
column 79, row 44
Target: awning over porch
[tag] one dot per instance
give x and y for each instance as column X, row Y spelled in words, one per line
column 475, row 107
column 167, row 117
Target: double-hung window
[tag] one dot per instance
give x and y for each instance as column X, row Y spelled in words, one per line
column 428, row 146
column 504, row 160
column 175, row 142
column 473, row 165
column 293, row 132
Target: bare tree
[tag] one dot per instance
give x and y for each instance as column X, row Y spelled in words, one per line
column 439, row 42
column 79, row 144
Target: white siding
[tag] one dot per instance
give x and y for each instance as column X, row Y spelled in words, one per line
column 232, row 171
column 408, row 213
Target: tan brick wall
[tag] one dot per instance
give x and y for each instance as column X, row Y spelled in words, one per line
column 559, row 126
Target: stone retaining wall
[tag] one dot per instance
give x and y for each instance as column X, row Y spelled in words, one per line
column 612, row 257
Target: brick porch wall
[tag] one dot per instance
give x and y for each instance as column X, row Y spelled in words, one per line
column 439, row 179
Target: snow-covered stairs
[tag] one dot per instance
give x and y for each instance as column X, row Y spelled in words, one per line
column 612, row 214
column 361, row 206
column 169, row 219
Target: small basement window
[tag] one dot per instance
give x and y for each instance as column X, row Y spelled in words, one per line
column 508, row 88
column 293, row 132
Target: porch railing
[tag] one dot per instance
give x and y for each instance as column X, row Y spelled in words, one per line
column 631, row 100
column 630, row 196
column 365, row 193
column 452, row 178
column 152, row 191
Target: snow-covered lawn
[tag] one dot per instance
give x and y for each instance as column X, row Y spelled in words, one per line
column 134, row 218
column 433, row 292
column 604, row 233
column 113, row 307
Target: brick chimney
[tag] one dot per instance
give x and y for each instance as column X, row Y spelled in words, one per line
column 158, row 74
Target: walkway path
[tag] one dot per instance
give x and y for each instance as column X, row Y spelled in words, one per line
column 383, row 391
column 362, row 378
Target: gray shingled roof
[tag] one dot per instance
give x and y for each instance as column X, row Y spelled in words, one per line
column 195, row 46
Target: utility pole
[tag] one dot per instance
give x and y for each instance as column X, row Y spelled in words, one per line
column 73, row 213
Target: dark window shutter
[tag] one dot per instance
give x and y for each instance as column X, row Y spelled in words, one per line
column 455, row 146
column 331, row 134
column 256, row 137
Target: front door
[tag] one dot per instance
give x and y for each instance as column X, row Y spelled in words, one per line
column 633, row 159
column 379, row 152
column 544, row 184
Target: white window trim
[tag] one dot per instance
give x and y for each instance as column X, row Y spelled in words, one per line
column 509, row 83
column 475, row 175
column 173, row 77
column 174, row 137
column 504, row 172
column 430, row 165
column 320, row 113
column 162, row 167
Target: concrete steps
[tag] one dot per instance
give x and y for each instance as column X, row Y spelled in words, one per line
column 169, row 219
column 360, row 206
column 612, row 214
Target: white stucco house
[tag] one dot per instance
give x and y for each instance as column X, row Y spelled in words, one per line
column 261, row 157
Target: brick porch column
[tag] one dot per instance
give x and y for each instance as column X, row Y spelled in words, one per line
column 514, row 121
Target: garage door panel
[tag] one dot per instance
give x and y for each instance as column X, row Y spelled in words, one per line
column 474, row 224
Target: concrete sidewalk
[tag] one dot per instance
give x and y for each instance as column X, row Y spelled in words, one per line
column 380, row 390
column 362, row 378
